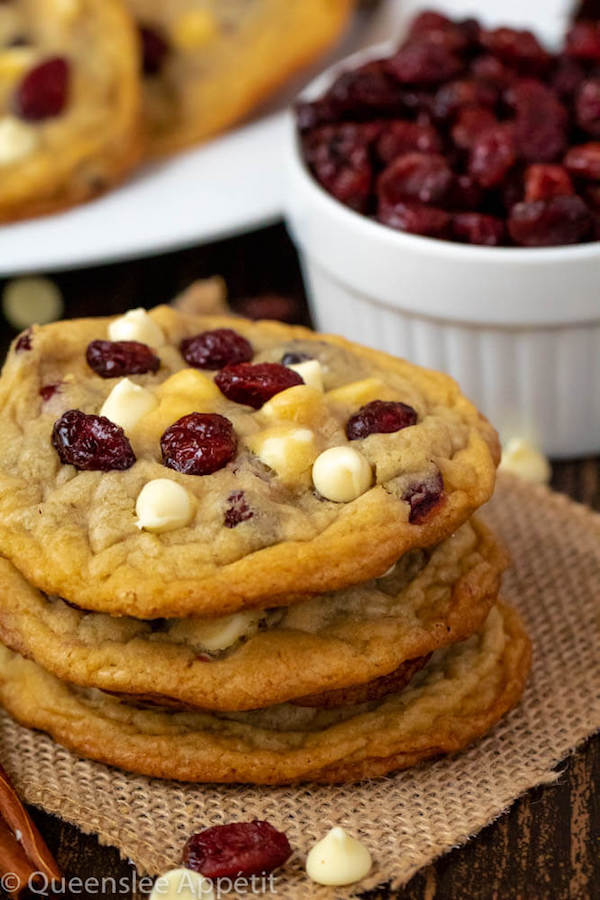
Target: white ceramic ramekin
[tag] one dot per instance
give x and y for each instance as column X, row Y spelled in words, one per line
column 518, row 328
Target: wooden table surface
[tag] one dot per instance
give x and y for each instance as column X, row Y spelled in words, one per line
column 548, row 844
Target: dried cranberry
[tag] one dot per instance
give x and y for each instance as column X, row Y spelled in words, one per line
column 399, row 137
column 549, row 223
column 270, row 306
column 520, row 49
column 461, row 125
column 567, row 76
column 422, row 177
column 92, row 443
column 216, row 349
column 471, row 29
column 423, row 63
column 427, row 21
column 310, row 115
column 592, row 196
column 584, row 160
column 492, row 155
column 415, row 218
column 237, row 510
column 380, row 417
column 545, row 181
column 423, row 497
column 24, row 341
column 588, row 9
column 417, row 104
column 512, row 189
column 339, row 157
column 465, row 194
column 456, row 95
column 154, row 49
column 434, row 28
column 489, row 68
column 47, row 391
column 198, row 444
column 583, row 41
column 540, row 120
column 366, row 91
column 471, row 122
column 253, row 385
column 113, row 359
column 238, row 849
column 587, row 106
column 43, row 91
column 477, row 228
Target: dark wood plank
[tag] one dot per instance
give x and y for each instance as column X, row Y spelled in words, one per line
column 547, row 844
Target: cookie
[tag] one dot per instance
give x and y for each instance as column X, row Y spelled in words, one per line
column 455, row 699
column 69, row 103
column 340, row 647
column 359, row 693
column 208, row 63
column 213, row 497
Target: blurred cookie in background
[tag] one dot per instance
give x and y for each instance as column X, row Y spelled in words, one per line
column 208, row 63
column 69, row 103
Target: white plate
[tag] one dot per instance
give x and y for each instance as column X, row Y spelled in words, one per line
column 232, row 184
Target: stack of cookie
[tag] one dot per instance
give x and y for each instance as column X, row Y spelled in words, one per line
column 246, row 552
column 89, row 88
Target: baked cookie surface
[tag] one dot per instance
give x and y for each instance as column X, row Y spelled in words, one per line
column 69, row 102
column 455, row 699
column 212, row 498
column 207, row 63
column 339, row 646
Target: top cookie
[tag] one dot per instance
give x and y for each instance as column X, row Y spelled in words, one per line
column 304, row 464
column 207, row 63
column 69, row 102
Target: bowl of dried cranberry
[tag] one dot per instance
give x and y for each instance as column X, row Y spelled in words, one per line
column 444, row 196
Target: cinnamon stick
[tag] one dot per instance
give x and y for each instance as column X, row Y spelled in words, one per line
column 23, row 850
column 13, row 862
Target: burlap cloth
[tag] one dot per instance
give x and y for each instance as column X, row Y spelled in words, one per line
column 409, row 819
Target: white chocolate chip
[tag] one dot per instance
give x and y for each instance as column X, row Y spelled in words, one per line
column 341, row 474
column 310, row 372
column 136, row 325
column 182, row 884
column 287, row 449
column 127, row 403
column 338, row 859
column 163, row 505
column 26, row 301
column 17, row 140
column 216, row 634
column 357, row 393
column 521, row 458
column 301, row 404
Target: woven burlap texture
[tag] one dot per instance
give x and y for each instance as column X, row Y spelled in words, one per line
column 409, row 819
